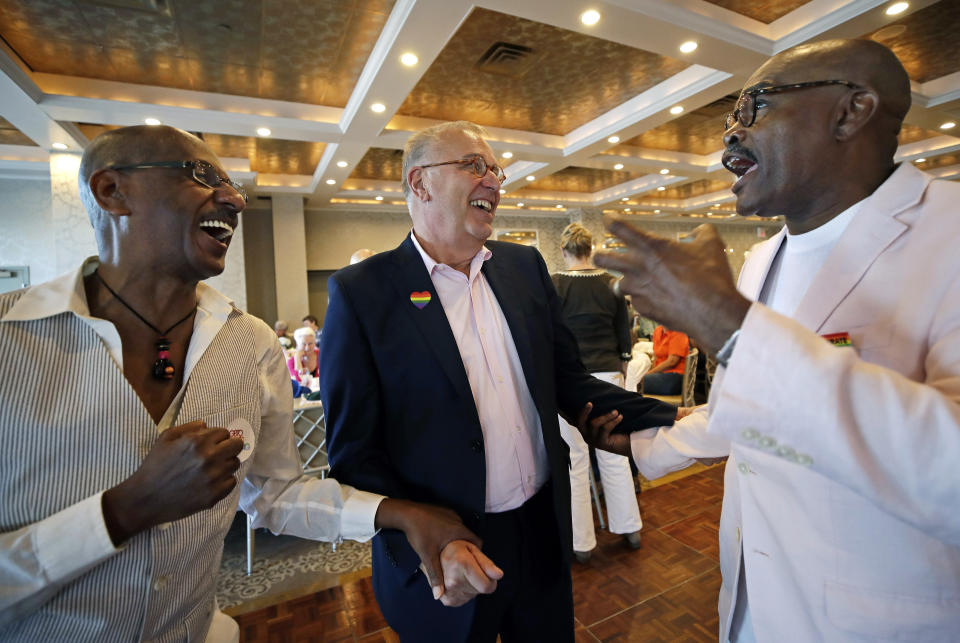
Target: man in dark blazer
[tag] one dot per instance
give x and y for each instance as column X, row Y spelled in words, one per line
column 444, row 363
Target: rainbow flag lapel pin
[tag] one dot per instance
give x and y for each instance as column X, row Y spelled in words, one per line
column 420, row 299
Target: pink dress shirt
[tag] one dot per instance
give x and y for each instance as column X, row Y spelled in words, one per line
column 516, row 458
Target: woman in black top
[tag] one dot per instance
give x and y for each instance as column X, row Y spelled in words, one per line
column 598, row 319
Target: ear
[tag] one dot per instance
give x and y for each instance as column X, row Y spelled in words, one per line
column 415, row 179
column 854, row 112
column 105, row 186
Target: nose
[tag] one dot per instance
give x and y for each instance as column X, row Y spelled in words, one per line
column 490, row 180
column 229, row 196
column 734, row 134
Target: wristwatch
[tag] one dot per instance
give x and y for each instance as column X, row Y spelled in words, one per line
column 723, row 355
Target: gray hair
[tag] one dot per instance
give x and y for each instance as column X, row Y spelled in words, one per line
column 418, row 144
column 301, row 333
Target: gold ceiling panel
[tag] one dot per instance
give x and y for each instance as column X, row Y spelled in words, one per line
column 925, row 41
column 296, row 50
column 582, row 179
column 690, row 190
column 536, row 77
column 699, row 132
column 380, row 164
column 765, row 11
column 267, row 155
column 10, row 135
column 944, row 160
column 912, row 134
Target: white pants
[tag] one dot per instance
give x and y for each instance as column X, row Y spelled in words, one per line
column 623, row 513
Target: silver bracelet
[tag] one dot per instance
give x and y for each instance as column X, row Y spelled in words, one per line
column 723, row 355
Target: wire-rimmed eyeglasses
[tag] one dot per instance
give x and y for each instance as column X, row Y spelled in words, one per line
column 203, row 173
column 476, row 164
column 746, row 111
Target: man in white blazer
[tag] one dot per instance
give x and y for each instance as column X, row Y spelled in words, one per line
column 838, row 398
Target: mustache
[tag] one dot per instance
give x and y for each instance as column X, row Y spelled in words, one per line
column 742, row 152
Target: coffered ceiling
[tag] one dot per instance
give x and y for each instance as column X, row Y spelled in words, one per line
column 580, row 115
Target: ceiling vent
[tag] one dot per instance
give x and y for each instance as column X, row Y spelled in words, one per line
column 507, row 59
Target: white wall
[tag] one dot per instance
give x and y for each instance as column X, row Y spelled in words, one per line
column 26, row 228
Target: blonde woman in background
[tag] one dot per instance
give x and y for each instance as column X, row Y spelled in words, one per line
column 598, row 319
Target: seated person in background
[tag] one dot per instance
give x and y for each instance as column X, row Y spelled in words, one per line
column 303, row 360
column 311, row 322
column 113, row 510
column 670, row 350
column 280, row 328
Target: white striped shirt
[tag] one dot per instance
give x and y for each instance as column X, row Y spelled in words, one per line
column 71, row 427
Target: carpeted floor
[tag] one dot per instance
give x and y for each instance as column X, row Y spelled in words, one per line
column 284, row 567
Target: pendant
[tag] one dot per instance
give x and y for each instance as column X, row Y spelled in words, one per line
column 163, row 368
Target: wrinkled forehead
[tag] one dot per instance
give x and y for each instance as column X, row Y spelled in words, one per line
column 457, row 144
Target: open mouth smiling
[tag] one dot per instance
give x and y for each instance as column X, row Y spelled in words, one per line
column 740, row 163
column 483, row 204
column 218, row 228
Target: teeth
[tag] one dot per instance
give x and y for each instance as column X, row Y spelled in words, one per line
column 213, row 223
column 480, row 203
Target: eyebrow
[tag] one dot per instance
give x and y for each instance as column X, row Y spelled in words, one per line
column 763, row 84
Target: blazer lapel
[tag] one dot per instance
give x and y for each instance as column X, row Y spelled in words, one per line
column 752, row 279
column 873, row 229
column 411, row 277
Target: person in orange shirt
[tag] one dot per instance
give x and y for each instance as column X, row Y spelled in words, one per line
column 670, row 350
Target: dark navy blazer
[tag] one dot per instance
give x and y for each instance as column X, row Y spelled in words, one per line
column 401, row 419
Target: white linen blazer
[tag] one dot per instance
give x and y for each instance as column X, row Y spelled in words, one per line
column 842, row 491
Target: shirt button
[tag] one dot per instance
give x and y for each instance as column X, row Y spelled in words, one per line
column 743, row 467
column 738, row 534
column 476, row 445
column 786, row 452
column 160, row 584
column 518, row 429
column 748, row 434
column 163, row 526
column 766, row 442
column 803, row 459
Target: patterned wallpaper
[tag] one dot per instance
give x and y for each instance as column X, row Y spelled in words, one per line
column 25, row 227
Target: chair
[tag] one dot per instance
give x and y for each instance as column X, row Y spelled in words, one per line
column 686, row 388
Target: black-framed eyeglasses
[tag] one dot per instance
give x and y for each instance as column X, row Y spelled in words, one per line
column 203, row 173
column 746, row 111
column 476, row 165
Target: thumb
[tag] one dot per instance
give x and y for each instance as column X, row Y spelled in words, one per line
column 431, row 569
column 584, row 414
column 487, row 565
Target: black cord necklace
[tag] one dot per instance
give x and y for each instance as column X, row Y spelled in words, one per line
column 163, row 368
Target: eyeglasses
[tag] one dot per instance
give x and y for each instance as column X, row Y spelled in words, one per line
column 203, row 173
column 475, row 164
column 746, row 110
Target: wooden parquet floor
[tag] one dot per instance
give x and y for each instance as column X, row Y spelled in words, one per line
column 664, row 591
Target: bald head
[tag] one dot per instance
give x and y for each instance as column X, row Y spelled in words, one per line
column 129, row 146
column 865, row 63
column 360, row 255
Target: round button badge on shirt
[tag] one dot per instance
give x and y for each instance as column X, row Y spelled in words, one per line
column 240, row 428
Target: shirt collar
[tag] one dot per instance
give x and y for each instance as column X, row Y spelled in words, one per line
column 66, row 294
column 482, row 255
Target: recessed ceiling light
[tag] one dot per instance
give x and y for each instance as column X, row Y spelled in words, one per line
column 715, row 205
column 151, row 121
column 409, row 59
column 688, row 46
column 897, row 7
column 920, row 161
column 341, row 164
column 520, row 205
column 378, row 107
column 676, row 109
column 664, row 171
column 626, row 209
column 559, row 205
column 626, row 198
column 661, row 189
column 618, row 166
column 656, row 211
column 613, row 139
column 531, row 177
column 590, row 17
column 502, row 191
column 948, row 125
column 58, row 146
column 331, row 181
column 507, row 155
column 379, row 198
